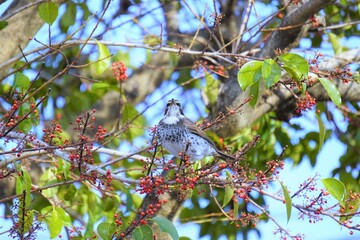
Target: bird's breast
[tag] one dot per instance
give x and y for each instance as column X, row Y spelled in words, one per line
column 171, row 120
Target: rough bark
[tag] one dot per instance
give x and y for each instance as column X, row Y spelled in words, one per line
column 297, row 18
column 20, row 28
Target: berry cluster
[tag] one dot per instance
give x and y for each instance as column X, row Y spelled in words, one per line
column 53, row 135
column 119, row 70
column 205, row 66
column 305, row 103
column 315, row 61
column 314, row 21
column 344, row 74
column 149, row 184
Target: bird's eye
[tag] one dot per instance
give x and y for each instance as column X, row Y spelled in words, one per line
column 178, row 104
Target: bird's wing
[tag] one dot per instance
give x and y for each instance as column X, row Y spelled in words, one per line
column 196, row 130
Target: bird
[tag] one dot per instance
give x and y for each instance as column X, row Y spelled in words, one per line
column 179, row 135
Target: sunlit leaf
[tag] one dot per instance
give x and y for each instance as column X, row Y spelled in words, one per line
column 352, row 206
column 212, row 88
column 103, row 61
column 101, row 85
column 295, row 65
column 229, row 191
column 336, row 189
column 303, row 88
column 332, row 91
column 53, row 221
column 143, row 232
column 124, row 57
column 48, row 11
column 152, row 40
column 249, row 74
column 288, row 201
column 335, row 43
column 23, row 183
column 64, row 216
column 271, row 72
column 23, row 187
column 322, row 131
column 63, row 168
column 166, row 226
column 236, row 208
column 136, row 129
column 89, row 231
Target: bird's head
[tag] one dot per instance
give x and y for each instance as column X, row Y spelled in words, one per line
column 173, row 112
column 173, row 108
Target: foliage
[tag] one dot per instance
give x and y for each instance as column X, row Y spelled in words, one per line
column 101, row 178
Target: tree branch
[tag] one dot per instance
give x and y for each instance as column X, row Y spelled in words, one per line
column 297, row 18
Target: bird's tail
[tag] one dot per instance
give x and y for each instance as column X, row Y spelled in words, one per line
column 224, row 156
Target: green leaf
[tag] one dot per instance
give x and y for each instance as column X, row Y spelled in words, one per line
column 229, row 191
column 53, row 221
column 106, row 230
column 271, row 72
column 23, row 183
column 336, row 189
column 236, row 208
column 39, row 202
column 26, row 124
column 64, row 216
column 352, row 206
column 166, row 226
column 295, row 65
column 288, row 201
column 69, row 17
column 136, row 129
column 70, row 193
column 63, row 168
column 21, row 81
column 303, row 88
column 89, row 230
column 331, row 90
column 3, row 24
column 322, row 131
column 335, row 43
column 212, row 88
column 123, row 57
column 152, row 40
column 143, row 232
column 103, row 61
column 174, row 59
column 48, row 12
column 102, row 85
column 254, row 91
column 249, row 74
column 110, row 203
